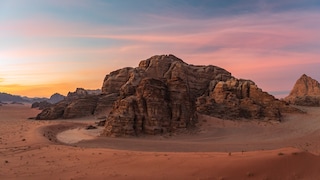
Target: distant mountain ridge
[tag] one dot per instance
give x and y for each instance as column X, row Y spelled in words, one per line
column 5, row 97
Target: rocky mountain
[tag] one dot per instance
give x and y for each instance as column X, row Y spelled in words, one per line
column 164, row 94
column 306, row 92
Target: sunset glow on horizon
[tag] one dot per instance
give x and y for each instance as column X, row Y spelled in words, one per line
column 53, row 46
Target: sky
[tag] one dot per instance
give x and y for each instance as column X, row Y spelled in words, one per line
column 49, row 46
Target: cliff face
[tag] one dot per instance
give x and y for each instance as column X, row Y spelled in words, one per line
column 306, row 92
column 164, row 94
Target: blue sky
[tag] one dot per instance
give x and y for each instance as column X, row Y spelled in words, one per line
column 56, row 46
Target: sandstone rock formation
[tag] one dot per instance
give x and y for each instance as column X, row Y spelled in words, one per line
column 306, row 92
column 53, row 112
column 78, row 104
column 41, row 105
column 164, row 94
column 79, row 93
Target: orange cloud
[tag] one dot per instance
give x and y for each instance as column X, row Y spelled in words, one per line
column 46, row 90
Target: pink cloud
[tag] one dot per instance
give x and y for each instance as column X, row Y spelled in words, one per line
column 250, row 46
column 259, row 31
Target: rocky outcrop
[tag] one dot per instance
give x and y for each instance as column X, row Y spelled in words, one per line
column 164, row 94
column 79, row 93
column 41, row 105
column 53, row 112
column 306, row 92
column 79, row 104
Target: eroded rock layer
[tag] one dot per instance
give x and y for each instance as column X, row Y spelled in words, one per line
column 164, row 94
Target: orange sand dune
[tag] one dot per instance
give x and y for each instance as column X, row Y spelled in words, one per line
column 27, row 153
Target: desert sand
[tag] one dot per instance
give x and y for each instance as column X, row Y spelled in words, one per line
column 218, row 149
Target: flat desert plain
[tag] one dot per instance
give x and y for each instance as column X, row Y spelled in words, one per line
column 217, row 149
